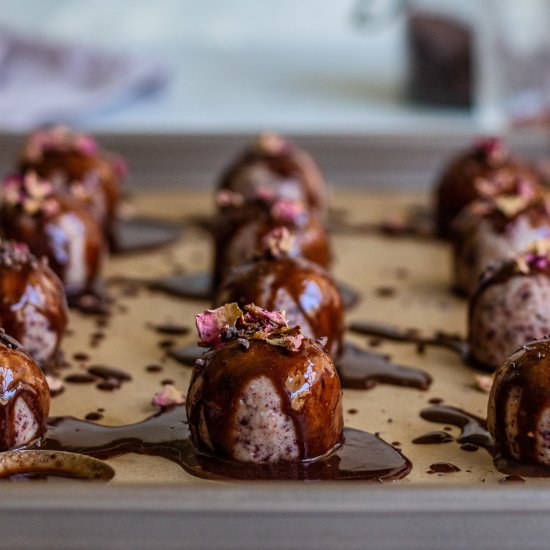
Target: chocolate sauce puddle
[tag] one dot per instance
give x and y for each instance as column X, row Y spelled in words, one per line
column 362, row 456
column 474, row 428
column 93, row 302
column 142, row 233
column 363, row 369
column 433, row 438
column 195, row 286
column 474, row 431
column 415, row 221
column 440, row 339
column 186, row 355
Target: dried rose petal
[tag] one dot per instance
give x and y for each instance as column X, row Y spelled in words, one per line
column 484, row 382
column 291, row 340
column 212, row 322
column 255, row 314
column 168, row 396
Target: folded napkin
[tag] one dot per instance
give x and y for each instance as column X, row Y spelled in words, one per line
column 43, row 82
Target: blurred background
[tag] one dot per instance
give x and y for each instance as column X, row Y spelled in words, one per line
column 314, row 67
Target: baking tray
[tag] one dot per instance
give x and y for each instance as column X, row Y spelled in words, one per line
column 154, row 503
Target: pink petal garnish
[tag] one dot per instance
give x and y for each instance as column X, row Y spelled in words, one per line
column 211, row 323
column 255, row 314
column 290, row 341
column 168, row 396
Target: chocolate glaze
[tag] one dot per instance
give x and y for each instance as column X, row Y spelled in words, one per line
column 305, row 291
column 362, row 456
column 526, row 374
column 140, row 233
column 99, row 172
column 363, row 369
column 489, row 160
column 44, row 234
column 305, row 381
column 32, row 295
column 432, row 438
column 389, row 332
column 20, row 379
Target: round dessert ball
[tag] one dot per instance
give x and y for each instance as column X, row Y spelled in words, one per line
column 74, row 160
column 24, row 396
column 55, row 227
column 264, row 393
column 303, row 290
column 495, row 228
column 510, row 307
column 488, row 167
column 241, row 233
column 33, row 308
column 274, row 165
column 518, row 414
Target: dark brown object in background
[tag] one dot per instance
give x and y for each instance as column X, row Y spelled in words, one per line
column 440, row 60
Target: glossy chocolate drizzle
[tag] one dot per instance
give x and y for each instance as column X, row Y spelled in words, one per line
column 362, row 456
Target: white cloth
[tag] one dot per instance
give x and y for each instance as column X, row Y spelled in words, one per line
column 44, row 82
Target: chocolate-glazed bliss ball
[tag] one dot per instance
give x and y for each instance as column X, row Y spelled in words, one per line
column 510, row 307
column 242, row 230
column 490, row 161
column 264, row 392
column 33, row 309
column 494, row 228
column 274, row 280
column 75, row 161
column 24, row 396
column 273, row 164
column 55, row 227
column 518, row 414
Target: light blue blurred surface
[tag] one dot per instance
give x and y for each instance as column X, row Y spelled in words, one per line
column 245, row 65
